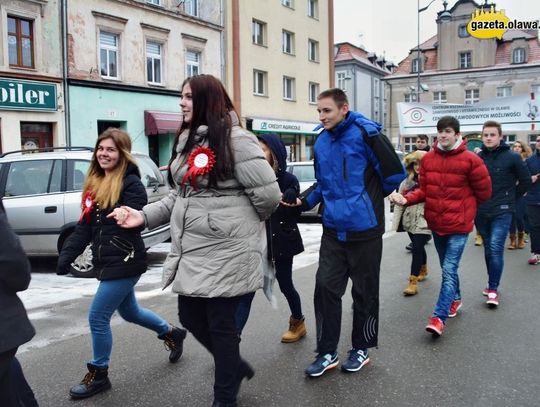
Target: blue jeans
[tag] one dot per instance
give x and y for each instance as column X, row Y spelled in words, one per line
column 449, row 248
column 494, row 231
column 113, row 295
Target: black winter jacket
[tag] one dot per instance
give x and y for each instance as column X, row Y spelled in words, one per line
column 15, row 328
column 117, row 252
column 510, row 179
column 281, row 228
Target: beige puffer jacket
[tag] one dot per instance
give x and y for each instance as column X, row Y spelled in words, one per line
column 218, row 235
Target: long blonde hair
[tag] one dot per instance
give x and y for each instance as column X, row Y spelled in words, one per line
column 526, row 151
column 106, row 189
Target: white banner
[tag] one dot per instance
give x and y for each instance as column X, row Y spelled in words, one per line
column 514, row 113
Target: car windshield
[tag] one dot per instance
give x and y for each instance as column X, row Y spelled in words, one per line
column 304, row 173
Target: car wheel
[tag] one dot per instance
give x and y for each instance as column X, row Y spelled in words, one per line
column 83, row 266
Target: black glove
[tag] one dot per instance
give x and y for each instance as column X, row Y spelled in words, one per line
column 289, row 196
column 62, row 269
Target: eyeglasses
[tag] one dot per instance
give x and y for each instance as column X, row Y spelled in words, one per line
column 538, row 141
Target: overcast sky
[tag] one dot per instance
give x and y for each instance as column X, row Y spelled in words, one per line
column 390, row 27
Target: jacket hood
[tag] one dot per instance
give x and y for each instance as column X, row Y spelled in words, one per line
column 132, row 169
column 462, row 147
column 277, row 147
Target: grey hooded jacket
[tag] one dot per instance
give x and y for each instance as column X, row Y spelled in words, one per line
column 218, row 234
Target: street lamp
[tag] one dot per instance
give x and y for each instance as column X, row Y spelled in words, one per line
column 418, row 64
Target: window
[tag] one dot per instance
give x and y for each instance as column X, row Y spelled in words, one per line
column 313, row 50
column 518, row 56
column 108, row 54
column 504, row 91
column 191, row 7
column 313, row 8
column 33, row 177
column 509, row 138
column 472, row 96
column 154, row 2
column 439, row 97
column 376, row 88
column 313, row 92
column 465, row 60
column 536, row 90
column 287, row 42
column 340, row 80
column 193, row 63
column 532, row 140
column 153, row 62
column 410, row 97
column 462, row 31
column 20, row 42
column 408, row 143
column 415, row 66
column 259, row 82
column 258, row 34
column 288, row 3
column 288, row 88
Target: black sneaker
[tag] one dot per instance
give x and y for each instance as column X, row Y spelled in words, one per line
column 357, row 359
column 322, row 363
column 409, row 247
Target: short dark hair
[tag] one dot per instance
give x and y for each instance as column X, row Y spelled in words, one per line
column 336, row 94
column 423, row 137
column 493, row 123
column 448, row 121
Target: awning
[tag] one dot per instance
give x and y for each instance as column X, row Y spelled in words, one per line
column 161, row 122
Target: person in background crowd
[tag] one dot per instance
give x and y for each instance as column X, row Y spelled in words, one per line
column 509, row 179
column 453, row 182
column 284, row 239
column 520, row 221
column 533, row 203
column 15, row 328
column 225, row 190
column 422, row 143
column 411, row 220
column 355, row 167
column 119, row 255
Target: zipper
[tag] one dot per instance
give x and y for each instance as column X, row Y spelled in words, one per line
column 123, row 245
column 345, row 176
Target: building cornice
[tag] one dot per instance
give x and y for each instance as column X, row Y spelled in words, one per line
column 30, row 76
column 109, row 17
column 122, row 87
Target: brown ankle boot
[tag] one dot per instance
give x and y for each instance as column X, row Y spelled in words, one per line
column 297, row 330
column 423, row 272
column 521, row 240
column 412, row 288
column 512, row 244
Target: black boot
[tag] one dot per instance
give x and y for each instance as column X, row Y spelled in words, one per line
column 220, row 404
column 174, row 341
column 94, row 382
column 245, row 371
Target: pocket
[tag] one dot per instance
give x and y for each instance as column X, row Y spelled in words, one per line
column 124, row 245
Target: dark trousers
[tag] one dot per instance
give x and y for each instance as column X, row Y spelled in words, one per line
column 20, row 385
column 419, row 256
column 534, row 220
column 338, row 261
column 286, row 285
column 212, row 322
column 8, row 397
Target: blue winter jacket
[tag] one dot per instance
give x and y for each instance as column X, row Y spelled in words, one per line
column 533, row 195
column 355, row 167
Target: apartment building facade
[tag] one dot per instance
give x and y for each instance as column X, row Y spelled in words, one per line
column 456, row 68
column 127, row 60
column 31, row 72
column 279, row 58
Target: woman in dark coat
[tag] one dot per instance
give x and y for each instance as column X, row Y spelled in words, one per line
column 15, row 328
column 119, row 256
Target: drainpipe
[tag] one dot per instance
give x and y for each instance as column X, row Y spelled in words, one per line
column 222, row 39
column 65, row 69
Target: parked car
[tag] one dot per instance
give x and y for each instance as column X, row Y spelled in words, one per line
column 42, row 196
column 305, row 172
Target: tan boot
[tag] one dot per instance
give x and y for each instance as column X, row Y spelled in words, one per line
column 512, row 244
column 423, row 272
column 521, row 240
column 412, row 288
column 478, row 239
column 297, row 330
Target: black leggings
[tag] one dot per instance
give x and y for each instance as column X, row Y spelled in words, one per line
column 419, row 256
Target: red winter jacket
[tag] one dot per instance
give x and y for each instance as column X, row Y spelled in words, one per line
column 452, row 184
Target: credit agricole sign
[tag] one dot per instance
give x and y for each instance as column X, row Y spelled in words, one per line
column 26, row 95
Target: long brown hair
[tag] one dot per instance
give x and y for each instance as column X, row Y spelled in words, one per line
column 526, row 151
column 211, row 107
column 106, row 189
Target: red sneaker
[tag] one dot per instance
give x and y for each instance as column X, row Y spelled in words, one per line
column 492, row 298
column 454, row 308
column 435, row 326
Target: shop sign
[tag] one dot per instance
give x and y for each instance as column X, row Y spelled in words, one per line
column 26, row 95
column 282, row 126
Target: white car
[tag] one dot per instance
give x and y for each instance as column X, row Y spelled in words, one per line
column 305, row 172
column 42, row 195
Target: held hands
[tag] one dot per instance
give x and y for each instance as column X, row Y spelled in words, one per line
column 534, row 178
column 127, row 217
column 289, row 196
column 397, row 198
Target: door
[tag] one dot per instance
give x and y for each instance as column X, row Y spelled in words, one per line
column 36, row 135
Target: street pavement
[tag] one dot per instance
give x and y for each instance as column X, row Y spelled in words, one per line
column 486, row 357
